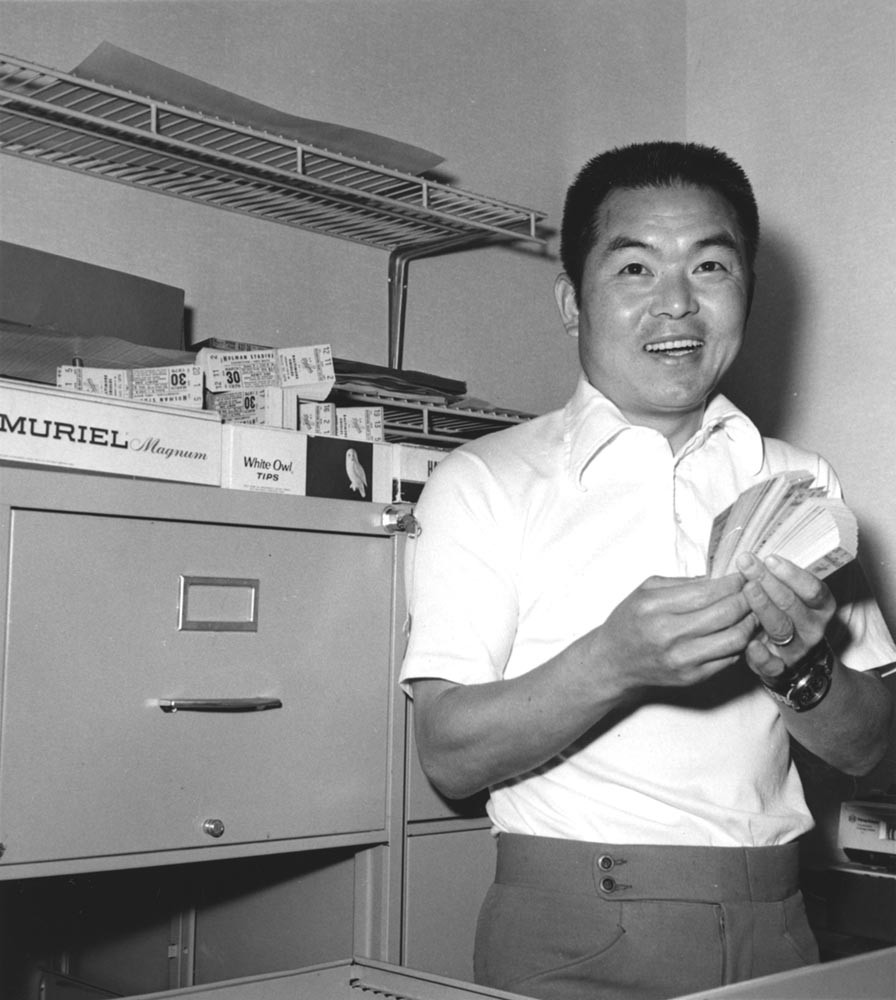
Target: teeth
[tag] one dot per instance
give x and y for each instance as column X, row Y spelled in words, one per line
column 674, row 345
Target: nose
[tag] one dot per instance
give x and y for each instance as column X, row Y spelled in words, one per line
column 673, row 296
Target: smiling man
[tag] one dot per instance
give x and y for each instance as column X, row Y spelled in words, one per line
column 630, row 717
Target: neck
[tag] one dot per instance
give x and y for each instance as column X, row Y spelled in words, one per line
column 676, row 428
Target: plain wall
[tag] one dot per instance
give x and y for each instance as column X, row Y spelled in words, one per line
column 803, row 92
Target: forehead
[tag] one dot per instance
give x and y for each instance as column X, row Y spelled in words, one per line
column 679, row 213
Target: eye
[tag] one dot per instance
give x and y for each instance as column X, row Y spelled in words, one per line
column 710, row 267
column 635, row 269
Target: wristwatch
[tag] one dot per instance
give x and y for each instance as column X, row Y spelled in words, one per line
column 804, row 684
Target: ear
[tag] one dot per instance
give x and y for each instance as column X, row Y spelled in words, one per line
column 750, row 293
column 565, row 295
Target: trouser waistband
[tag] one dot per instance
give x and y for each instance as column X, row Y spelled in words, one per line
column 645, row 871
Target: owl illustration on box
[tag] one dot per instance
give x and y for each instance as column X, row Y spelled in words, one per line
column 357, row 477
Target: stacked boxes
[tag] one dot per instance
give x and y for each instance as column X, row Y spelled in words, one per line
column 172, row 385
column 306, row 369
column 260, row 407
column 283, row 387
column 44, row 425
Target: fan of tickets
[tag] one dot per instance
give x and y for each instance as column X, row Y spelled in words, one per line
column 788, row 517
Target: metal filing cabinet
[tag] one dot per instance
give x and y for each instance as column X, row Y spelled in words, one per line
column 172, row 684
column 196, row 674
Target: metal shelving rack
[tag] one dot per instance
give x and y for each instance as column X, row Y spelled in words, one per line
column 64, row 120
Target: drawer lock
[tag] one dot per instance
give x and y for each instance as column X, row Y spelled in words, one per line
column 400, row 520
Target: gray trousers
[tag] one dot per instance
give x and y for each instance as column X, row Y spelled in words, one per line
column 567, row 920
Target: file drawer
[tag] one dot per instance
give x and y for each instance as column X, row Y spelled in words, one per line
column 271, row 646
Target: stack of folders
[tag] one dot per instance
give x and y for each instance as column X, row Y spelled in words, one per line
column 788, row 517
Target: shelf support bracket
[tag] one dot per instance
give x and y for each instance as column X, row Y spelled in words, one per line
column 399, row 261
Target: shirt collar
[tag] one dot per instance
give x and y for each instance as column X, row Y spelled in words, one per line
column 591, row 422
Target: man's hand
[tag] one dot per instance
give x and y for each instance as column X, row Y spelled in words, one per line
column 849, row 728
column 669, row 632
column 792, row 608
column 674, row 632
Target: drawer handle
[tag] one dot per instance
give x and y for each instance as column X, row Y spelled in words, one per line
column 219, row 704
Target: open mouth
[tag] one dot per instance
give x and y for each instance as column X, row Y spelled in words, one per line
column 674, row 348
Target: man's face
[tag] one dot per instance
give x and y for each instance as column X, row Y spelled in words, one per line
column 664, row 300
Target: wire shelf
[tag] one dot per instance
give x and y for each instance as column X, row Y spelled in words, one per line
column 69, row 122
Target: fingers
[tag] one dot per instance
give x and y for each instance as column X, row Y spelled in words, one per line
column 685, row 593
column 785, row 582
column 697, row 605
column 791, row 606
column 774, row 618
column 762, row 661
column 684, row 630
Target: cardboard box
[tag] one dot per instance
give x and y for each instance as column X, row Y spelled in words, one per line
column 48, row 426
column 277, row 460
column 263, row 459
column 412, row 465
column 867, row 831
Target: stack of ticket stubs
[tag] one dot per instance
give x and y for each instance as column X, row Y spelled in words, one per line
column 788, row 517
column 284, row 387
column 308, row 370
column 171, row 385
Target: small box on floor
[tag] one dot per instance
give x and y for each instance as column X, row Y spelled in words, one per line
column 867, row 831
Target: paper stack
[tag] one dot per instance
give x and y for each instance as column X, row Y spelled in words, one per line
column 788, row 517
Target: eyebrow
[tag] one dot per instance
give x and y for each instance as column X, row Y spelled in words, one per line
column 719, row 239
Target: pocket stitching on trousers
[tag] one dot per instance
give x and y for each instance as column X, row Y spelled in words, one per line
column 804, row 955
column 552, row 970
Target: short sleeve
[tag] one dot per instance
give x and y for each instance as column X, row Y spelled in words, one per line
column 459, row 575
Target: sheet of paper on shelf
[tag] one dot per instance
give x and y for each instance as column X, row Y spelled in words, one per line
column 116, row 67
column 34, row 353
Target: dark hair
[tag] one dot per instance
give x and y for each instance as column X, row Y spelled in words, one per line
column 647, row 165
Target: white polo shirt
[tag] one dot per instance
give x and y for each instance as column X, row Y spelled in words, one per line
column 531, row 536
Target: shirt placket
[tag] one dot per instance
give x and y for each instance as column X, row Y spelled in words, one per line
column 690, row 545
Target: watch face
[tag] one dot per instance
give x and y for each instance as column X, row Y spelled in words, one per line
column 811, row 688
column 803, row 686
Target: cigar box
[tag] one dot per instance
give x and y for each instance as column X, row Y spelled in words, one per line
column 44, row 425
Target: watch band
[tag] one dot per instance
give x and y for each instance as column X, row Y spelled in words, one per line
column 804, row 684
